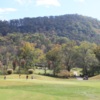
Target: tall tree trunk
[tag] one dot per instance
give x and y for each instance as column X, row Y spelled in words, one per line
column 54, row 69
column 85, row 70
column 45, row 70
column 67, row 63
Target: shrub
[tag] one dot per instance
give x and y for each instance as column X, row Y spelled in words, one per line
column 30, row 71
column 1, row 72
column 72, row 74
column 64, row 73
column 9, row 71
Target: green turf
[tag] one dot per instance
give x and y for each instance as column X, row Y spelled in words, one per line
column 46, row 88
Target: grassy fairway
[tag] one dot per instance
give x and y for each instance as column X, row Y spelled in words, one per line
column 46, row 88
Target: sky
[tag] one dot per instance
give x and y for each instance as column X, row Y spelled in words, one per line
column 16, row 9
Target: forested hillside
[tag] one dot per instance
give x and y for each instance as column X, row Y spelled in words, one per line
column 57, row 43
column 73, row 26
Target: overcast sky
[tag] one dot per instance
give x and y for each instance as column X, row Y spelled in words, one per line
column 15, row 9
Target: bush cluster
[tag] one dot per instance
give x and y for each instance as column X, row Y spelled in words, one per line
column 30, row 71
column 9, row 71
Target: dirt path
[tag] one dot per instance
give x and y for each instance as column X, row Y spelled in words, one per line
column 77, row 76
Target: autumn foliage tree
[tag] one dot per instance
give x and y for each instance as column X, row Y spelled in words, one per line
column 27, row 54
column 54, row 56
column 68, row 54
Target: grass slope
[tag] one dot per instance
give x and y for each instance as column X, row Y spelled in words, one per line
column 48, row 88
column 96, row 77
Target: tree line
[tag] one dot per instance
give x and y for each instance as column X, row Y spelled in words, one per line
column 26, row 51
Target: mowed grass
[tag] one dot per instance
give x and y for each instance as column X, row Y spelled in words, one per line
column 47, row 88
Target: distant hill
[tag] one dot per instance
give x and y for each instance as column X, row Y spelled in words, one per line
column 72, row 26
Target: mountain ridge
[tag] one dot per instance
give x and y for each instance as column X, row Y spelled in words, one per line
column 72, row 26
